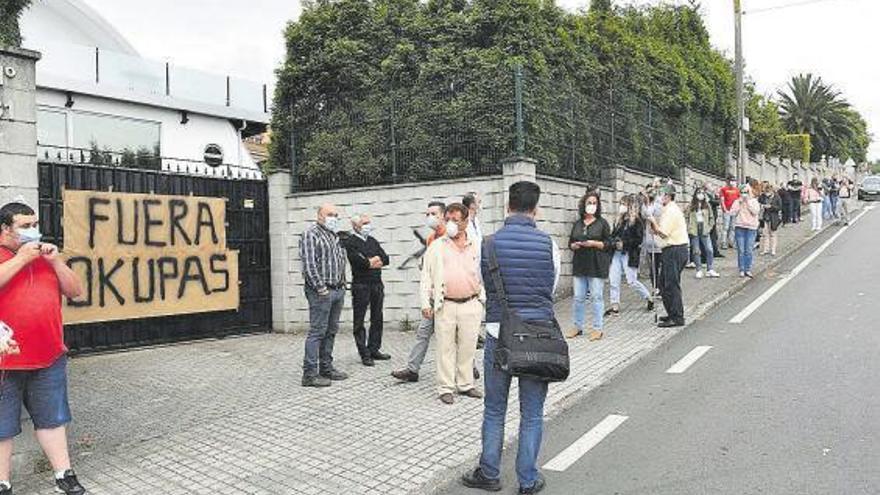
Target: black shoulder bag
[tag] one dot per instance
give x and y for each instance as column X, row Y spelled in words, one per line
column 534, row 349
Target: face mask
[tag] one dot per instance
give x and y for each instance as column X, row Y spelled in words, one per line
column 431, row 222
column 452, row 229
column 29, row 235
column 367, row 229
column 332, row 224
column 623, row 209
column 590, row 209
column 701, row 197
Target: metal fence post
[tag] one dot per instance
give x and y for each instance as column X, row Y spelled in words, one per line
column 573, row 122
column 393, row 124
column 518, row 93
column 294, row 181
column 613, row 134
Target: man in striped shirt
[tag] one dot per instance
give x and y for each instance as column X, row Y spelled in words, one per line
column 323, row 267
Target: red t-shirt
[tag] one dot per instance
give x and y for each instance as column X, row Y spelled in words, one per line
column 30, row 304
column 728, row 196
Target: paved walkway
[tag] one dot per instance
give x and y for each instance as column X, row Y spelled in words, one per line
column 230, row 416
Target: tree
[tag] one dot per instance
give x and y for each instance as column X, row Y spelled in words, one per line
column 809, row 106
column 10, row 11
column 766, row 129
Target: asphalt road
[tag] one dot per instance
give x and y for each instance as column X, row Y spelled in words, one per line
column 787, row 402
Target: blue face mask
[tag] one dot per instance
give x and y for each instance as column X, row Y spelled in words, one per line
column 29, row 235
column 367, row 229
column 332, row 224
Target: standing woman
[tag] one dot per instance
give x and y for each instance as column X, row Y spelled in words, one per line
column 846, row 191
column 782, row 192
column 651, row 209
column 590, row 241
column 629, row 230
column 746, row 210
column 700, row 221
column 813, row 196
column 771, row 207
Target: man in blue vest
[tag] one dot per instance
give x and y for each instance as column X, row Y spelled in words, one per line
column 529, row 263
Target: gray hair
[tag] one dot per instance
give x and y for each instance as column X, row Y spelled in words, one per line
column 359, row 217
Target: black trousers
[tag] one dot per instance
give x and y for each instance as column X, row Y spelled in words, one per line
column 655, row 262
column 368, row 296
column 674, row 259
column 795, row 205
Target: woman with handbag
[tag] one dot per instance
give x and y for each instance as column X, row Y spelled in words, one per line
column 627, row 237
column 771, row 206
column 590, row 240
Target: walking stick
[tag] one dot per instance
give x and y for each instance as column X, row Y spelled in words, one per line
column 654, row 275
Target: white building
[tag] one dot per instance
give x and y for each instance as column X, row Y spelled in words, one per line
column 98, row 100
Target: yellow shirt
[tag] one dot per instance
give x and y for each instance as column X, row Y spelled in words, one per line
column 673, row 224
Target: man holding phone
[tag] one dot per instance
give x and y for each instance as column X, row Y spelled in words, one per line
column 33, row 278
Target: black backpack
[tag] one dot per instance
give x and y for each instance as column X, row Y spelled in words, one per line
column 534, row 349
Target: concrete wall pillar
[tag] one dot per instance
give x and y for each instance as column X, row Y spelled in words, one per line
column 514, row 170
column 279, row 246
column 18, row 126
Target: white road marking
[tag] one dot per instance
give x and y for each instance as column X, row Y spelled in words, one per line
column 684, row 363
column 757, row 303
column 585, row 443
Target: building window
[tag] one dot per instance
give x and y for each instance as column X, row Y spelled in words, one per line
column 52, row 134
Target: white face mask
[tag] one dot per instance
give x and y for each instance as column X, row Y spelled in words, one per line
column 590, row 209
column 29, row 235
column 452, row 229
column 332, row 224
column 431, row 222
column 623, row 209
column 367, row 229
column 701, row 197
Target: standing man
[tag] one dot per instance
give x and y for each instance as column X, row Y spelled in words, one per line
column 672, row 231
column 367, row 258
column 519, row 243
column 33, row 278
column 473, row 203
column 323, row 267
column 715, row 205
column 729, row 193
column 410, row 373
column 795, row 190
column 452, row 294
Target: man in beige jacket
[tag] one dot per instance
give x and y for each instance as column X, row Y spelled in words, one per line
column 452, row 294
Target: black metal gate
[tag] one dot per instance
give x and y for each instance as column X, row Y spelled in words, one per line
column 247, row 215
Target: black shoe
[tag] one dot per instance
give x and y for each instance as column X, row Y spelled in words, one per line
column 537, row 487
column 380, row 356
column 477, row 479
column 671, row 323
column 612, row 311
column 335, row 375
column 68, row 484
column 315, row 381
column 476, row 374
column 405, row 375
column 5, row 490
column 650, row 305
column 368, row 361
column 718, row 255
column 481, row 342
column 664, row 318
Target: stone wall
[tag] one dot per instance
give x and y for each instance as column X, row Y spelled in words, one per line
column 18, row 125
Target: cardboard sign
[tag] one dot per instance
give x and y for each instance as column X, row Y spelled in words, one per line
column 145, row 255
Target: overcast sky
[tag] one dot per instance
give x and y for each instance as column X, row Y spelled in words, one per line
column 836, row 39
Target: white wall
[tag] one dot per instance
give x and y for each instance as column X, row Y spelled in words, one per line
column 183, row 141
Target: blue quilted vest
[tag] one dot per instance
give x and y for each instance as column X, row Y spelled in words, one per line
column 525, row 255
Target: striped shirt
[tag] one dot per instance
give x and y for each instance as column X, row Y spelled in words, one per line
column 323, row 258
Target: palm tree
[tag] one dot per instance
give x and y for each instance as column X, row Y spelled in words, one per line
column 809, row 106
column 10, row 10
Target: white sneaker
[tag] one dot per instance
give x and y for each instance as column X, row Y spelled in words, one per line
column 712, row 274
column 691, row 265
column 699, row 274
column 742, row 274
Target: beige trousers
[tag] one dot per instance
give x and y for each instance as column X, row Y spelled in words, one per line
column 769, row 239
column 456, row 327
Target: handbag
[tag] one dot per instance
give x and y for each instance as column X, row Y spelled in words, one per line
column 533, row 349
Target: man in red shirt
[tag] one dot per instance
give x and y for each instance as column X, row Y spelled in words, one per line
column 33, row 278
column 728, row 195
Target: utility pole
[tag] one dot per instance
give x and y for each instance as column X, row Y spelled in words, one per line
column 740, row 102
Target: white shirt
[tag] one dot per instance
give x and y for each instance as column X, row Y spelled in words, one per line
column 475, row 233
column 493, row 328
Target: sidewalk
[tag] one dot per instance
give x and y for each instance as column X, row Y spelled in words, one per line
column 230, row 416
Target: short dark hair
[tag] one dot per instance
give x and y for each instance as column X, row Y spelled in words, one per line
column 459, row 208
column 582, row 204
column 469, row 199
column 439, row 204
column 523, row 196
column 10, row 210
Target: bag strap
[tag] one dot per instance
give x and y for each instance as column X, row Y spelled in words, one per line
column 495, row 269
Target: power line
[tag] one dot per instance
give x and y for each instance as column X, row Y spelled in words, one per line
column 786, row 6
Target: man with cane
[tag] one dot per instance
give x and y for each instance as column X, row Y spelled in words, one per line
column 674, row 241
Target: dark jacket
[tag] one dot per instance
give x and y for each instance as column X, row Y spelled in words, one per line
column 772, row 207
column 525, row 257
column 631, row 235
column 591, row 262
column 359, row 253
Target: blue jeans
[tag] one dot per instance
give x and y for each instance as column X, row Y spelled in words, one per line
column 745, row 246
column 594, row 289
column 324, row 314
column 702, row 245
column 43, row 392
column 532, row 394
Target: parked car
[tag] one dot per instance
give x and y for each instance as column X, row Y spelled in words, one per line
column 869, row 189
